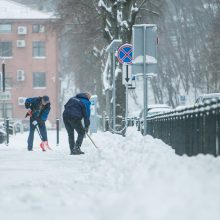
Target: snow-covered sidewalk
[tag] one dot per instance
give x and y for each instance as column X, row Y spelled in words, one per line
column 132, row 178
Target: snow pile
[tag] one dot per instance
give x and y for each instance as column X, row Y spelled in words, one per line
column 132, row 178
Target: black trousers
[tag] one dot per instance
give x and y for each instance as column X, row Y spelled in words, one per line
column 72, row 124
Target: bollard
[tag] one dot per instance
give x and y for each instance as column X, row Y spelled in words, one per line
column 7, row 131
column 58, row 129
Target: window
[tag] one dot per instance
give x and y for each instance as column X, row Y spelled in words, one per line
column 38, row 28
column 39, row 79
column 38, row 49
column 6, row 110
column 5, row 28
column 6, row 49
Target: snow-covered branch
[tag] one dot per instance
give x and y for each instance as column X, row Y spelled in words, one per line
column 102, row 5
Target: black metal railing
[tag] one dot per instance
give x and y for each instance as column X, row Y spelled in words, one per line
column 189, row 131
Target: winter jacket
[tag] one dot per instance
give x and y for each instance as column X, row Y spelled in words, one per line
column 78, row 107
column 39, row 111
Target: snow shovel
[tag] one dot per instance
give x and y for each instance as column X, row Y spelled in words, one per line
column 39, row 132
column 91, row 140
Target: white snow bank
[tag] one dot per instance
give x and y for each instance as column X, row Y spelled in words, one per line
column 132, row 178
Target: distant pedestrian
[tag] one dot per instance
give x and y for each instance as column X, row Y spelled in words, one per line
column 38, row 110
column 76, row 109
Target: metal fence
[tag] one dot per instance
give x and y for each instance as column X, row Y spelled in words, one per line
column 189, row 131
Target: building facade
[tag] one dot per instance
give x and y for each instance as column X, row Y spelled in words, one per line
column 28, row 47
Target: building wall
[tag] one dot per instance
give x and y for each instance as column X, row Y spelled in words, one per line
column 22, row 59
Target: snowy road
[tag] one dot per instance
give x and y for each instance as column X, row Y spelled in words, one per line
column 133, row 178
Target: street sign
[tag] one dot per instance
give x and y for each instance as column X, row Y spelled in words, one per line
column 133, row 83
column 182, row 99
column 144, row 40
column 125, row 54
column 126, row 74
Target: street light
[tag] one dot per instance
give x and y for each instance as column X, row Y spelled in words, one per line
column 112, row 49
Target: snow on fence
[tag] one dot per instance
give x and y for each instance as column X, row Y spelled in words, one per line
column 189, row 131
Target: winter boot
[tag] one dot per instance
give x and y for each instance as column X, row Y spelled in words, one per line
column 42, row 146
column 76, row 151
column 30, row 148
column 79, row 150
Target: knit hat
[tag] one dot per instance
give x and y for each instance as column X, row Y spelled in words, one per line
column 46, row 99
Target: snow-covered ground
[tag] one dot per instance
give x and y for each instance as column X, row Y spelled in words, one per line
column 132, row 178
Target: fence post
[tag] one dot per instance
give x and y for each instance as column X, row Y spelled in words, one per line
column 58, row 129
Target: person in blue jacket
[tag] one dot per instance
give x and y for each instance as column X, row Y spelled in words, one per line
column 38, row 110
column 76, row 109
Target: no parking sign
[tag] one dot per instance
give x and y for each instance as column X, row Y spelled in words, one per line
column 125, row 54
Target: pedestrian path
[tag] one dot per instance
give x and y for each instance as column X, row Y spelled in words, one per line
column 132, row 178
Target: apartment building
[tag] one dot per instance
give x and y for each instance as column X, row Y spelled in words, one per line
column 28, row 47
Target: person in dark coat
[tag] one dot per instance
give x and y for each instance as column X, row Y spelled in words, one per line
column 76, row 109
column 38, row 110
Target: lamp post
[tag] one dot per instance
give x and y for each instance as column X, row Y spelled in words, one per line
column 112, row 49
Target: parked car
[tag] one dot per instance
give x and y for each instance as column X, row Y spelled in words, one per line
column 156, row 109
column 207, row 97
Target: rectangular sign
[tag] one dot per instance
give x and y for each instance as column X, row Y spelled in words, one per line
column 144, row 36
column 124, row 74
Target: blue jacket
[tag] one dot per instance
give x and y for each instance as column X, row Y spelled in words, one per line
column 38, row 110
column 78, row 107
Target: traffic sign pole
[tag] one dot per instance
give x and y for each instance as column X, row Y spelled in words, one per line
column 145, row 86
column 114, row 94
column 126, row 107
column 125, row 57
column 144, row 58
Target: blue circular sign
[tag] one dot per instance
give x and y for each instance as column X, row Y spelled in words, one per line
column 125, row 54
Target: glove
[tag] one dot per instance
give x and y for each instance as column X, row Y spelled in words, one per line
column 86, row 129
column 29, row 113
column 87, row 123
column 34, row 123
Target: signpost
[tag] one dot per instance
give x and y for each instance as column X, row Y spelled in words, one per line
column 125, row 58
column 144, row 56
